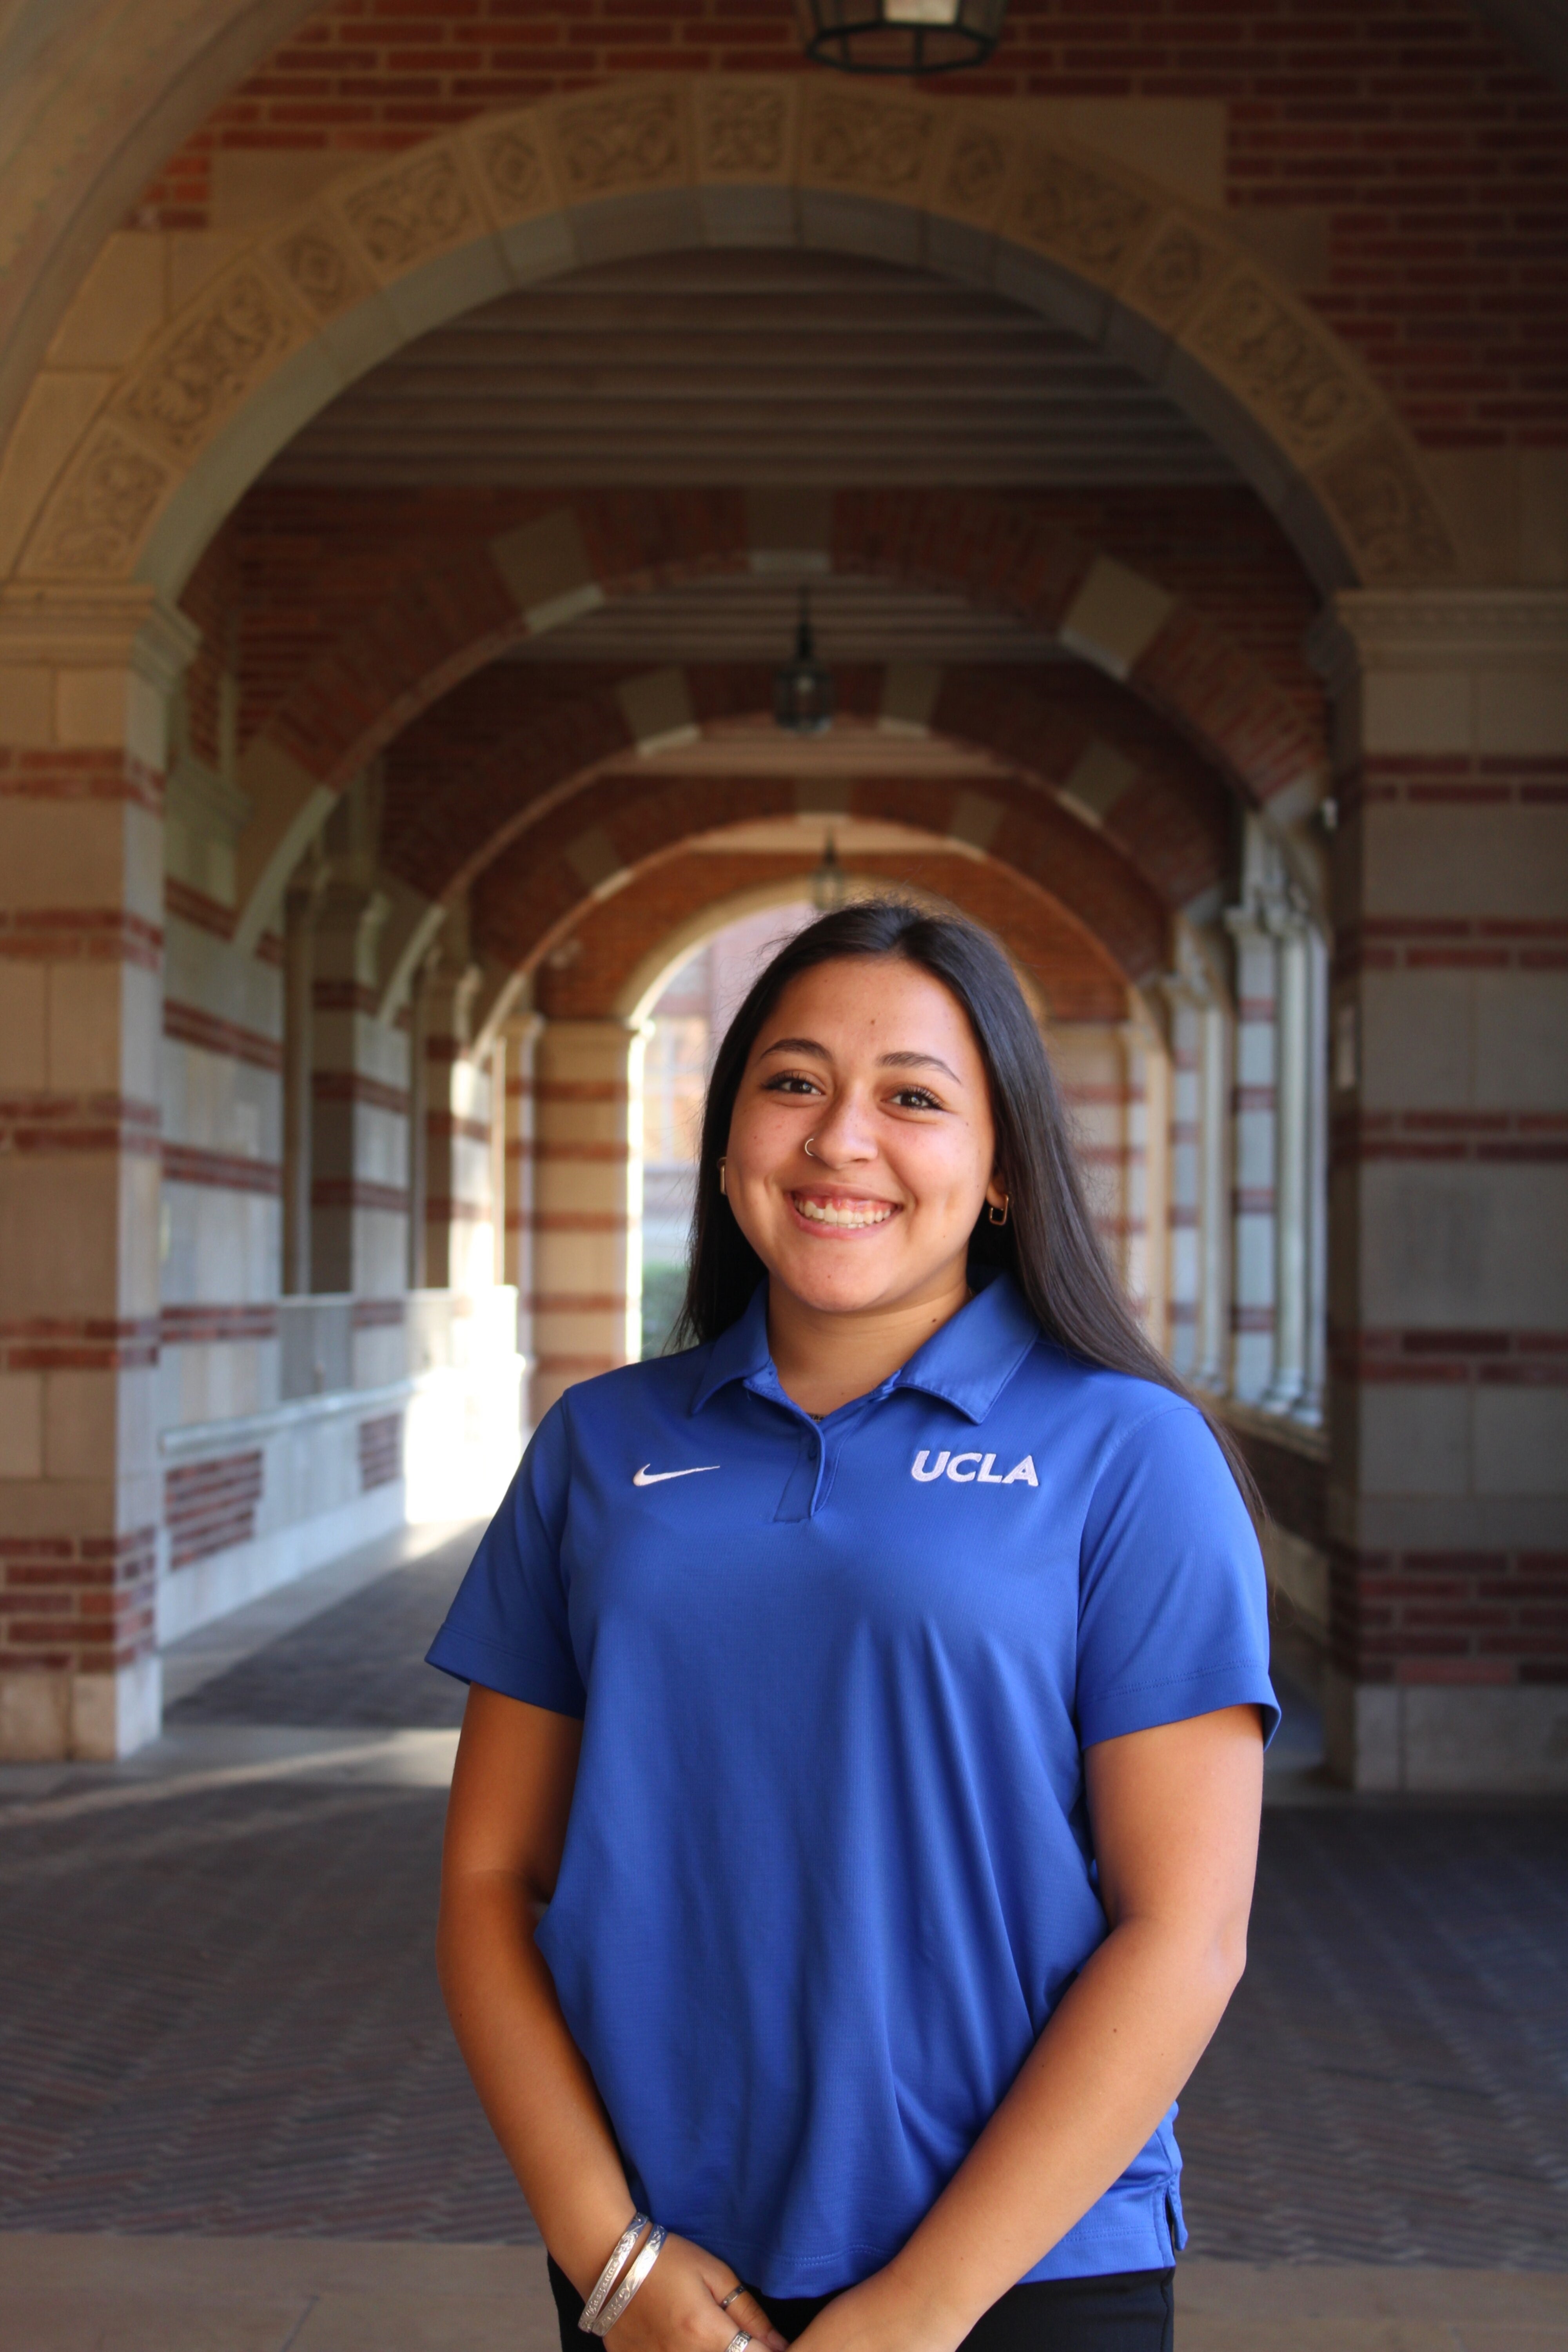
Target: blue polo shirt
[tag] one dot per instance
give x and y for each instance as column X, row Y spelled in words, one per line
column 828, row 1868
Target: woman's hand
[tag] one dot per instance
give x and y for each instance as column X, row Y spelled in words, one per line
column 679, row 2307
column 883, row 2314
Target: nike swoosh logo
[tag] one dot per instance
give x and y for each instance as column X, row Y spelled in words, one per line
column 647, row 1478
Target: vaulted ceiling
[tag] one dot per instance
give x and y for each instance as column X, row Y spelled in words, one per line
column 738, row 366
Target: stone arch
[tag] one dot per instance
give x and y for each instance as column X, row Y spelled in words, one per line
column 448, row 819
column 960, row 187
column 591, row 849
column 443, row 624
column 629, row 946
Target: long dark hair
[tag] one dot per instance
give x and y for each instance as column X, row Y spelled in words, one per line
column 1048, row 1244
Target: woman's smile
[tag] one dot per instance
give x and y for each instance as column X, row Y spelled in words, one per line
column 852, row 1212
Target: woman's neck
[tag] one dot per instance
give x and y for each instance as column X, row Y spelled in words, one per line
column 823, row 1357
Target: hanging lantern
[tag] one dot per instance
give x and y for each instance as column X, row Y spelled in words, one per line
column 802, row 689
column 829, row 884
column 901, row 36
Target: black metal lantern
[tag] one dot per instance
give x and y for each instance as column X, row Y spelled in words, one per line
column 804, row 693
column 901, row 36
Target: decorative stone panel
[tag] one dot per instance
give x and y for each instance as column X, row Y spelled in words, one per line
column 1386, row 513
column 320, row 267
column 235, row 333
column 1289, row 373
column 98, row 516
column 746, row 128
column 510, row 159
column 626, row 139
column 407, row 216
column 867, row 145
column 1181, row 268
column 1077, row 213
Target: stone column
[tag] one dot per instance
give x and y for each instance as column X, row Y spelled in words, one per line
column 85, row 682
column 359, row 1143
column 1450, row 1213
column 299, row 1029
column 1253, row 1101
column 521, row 1037
column 456, row 1133
column 1292, row 1156
column 1199, row 1188
column 587, row 1204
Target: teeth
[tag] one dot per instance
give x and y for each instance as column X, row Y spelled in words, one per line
column 829, row 1213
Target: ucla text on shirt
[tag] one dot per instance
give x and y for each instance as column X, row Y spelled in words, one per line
column 956, row 1467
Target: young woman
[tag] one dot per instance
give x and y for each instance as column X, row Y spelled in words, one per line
column 874, row 1694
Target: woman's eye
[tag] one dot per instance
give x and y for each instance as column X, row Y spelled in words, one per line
column 916, row 1098
column 791, row 1082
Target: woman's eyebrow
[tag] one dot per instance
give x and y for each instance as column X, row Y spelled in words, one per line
column 795, row 1046
column 917, row 1062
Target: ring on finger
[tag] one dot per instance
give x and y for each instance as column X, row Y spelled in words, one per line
column 738, row 2342
column 725, row 2301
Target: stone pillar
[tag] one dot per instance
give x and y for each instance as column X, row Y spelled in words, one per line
column 359, row 1139
column 456, row 1132
column 1450, row 1221
column 520, row 1036
column 587, row 1204
column 85, row 682
column 299, row 1029
column 1253, row 1102
column 1199, row 1185
column 1292, row 1123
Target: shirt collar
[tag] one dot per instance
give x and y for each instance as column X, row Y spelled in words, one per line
column 967, row 1363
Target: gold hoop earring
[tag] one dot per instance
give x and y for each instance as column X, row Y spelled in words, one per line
column 722, row 1186
column 991, row 1213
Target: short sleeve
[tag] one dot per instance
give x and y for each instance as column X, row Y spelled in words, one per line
column 507, row 1629
column 1173, row 1604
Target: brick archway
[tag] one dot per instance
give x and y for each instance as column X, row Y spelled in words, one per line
column 444, row 623
column 598, row 843
column 392, row 248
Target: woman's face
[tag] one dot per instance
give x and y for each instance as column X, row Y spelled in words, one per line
column 873, row 1063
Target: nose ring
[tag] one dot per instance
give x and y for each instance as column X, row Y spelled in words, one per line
column 809, row 1152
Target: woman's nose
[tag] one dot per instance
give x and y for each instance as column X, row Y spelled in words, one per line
column 844, row 1136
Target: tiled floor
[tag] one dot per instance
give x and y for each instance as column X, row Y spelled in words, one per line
column 221, row 2020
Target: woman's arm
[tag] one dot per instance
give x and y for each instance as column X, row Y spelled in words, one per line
column 1175, row 1814
column 506, row 1828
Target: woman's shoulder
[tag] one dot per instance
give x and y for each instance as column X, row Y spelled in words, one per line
column 656, row 1380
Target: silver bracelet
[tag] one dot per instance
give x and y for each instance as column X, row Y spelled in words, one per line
column 630, row 2283
column 611, row 2272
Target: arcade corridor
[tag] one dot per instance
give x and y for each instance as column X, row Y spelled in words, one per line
column 407, row 518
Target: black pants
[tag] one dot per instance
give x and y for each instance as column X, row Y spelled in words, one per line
column 1127, row 2311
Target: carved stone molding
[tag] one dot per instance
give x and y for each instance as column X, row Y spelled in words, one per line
column 1078, row 215
column 1180, row 270
column 511, row 158
column 631, row 139
column 744, row 131
column 320, row 268
column 870, row 145
column 1283, row 367
column 1438, row 629
column 96, row 520
column 199, row 374
column 972, row 179
column 407, row 214
column 97, row 628
column 1385, row 511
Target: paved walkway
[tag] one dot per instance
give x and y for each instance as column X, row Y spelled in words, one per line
column 221, row 2024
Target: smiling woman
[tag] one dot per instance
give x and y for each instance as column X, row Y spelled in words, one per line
column 872, row 1692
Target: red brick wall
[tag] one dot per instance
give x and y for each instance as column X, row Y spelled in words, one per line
column 1436, row 155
